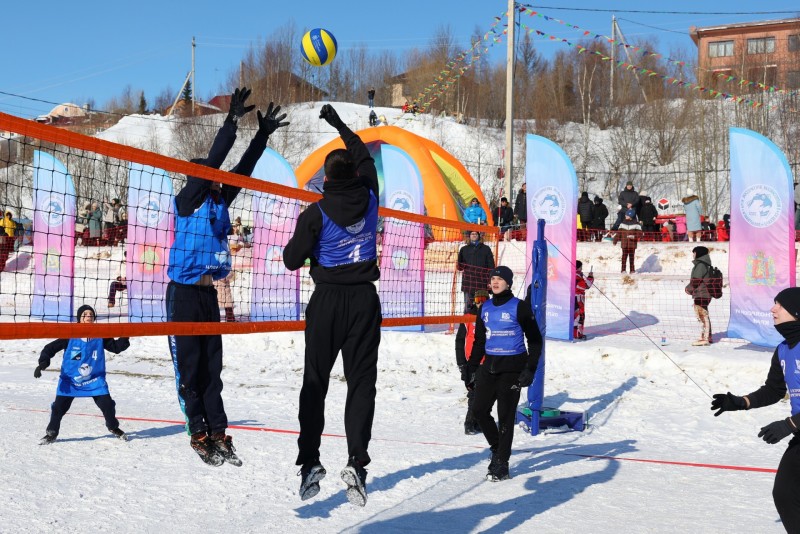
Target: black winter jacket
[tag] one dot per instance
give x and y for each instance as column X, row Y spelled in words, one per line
column 345, row 202
column 774, row 389
column 476, row 260
column 521, row 206
column 648, row 213
column 507, row 364
column 629, row 197
column 585, row 210
column 503, row 216
column 600, row 215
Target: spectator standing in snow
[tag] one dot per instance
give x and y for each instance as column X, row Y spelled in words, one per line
column 691, row 205
column 465, row 337
column 521, row 205
column 475, row 260
column 200, row 255
column 505, row 366
column 783, row 377
column 627, row 196
column 586, row 214
column 582, row 283
column 371, row 97
column 338, row 234
column 600, row 214
column 698, row 290
column 95, row 224
column 628, row 237
column 474, row 213
column 83, row 374
column 647, row 216
column 7, row 239
column 503, row 216
column 120, row 284
column 373, row 118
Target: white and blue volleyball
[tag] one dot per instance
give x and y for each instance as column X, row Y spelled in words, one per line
column 318, row 47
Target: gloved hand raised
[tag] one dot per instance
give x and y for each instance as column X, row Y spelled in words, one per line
column 774, row 432
column 270, row 122
column 37, row 373
column 727, row 403
column 525, row 378
column 238, row 109
column 329, row 114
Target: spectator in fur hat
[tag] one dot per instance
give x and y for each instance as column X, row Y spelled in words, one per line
column 783, row 377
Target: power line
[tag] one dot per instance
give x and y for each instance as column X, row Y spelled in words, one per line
column 655, row 12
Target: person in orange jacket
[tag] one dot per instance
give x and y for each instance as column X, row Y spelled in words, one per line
column 464, row 339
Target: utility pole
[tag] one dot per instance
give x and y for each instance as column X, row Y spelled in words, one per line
column 194, row 87
column 613, row 54
column 628, row 54
column 509, row 159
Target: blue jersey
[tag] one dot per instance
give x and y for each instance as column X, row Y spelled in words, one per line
column 83, row 371
column 790, row 363
column 338, row 245
column 201, row 244
column 504, row 334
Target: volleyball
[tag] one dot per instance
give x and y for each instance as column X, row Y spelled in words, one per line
column 318, row 47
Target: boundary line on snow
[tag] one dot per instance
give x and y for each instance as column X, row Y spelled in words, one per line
column 685, row 464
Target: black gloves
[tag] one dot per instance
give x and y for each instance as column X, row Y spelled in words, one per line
column 727, row 403
column 774, row 432
column 267, row 124
column 464, row 372
column 329, row 114
column 469, row 379
column 525, row 378
column 37, row 373
column 238, row 109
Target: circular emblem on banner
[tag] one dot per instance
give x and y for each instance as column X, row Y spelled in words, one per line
column 400, row 259
column 271, row 208
column 274, row 257
column 760, row 205
column 663, row 204
column 549, row 204
column 151, row 209
column 402, row 201
column 51, row 210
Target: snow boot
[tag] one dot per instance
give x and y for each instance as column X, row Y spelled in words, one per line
column 119, row 433
column 224, row 446
column 498, row 470
column 311, row 473
column 201, row 444
column 355, row 476
column 49, row 437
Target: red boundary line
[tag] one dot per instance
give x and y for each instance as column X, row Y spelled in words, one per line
column 686, row 464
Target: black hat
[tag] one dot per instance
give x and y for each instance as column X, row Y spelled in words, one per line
column 505, row 273
column 83, row 309
column 597, row 199
column 504, row 199
column 700, row 251
column 629, row 183
column 789, row 299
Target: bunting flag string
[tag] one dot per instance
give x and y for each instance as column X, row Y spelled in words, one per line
column 615, row 42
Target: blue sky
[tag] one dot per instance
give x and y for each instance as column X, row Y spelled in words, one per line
column 73, row 51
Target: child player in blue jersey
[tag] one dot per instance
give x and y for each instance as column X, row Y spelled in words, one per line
column 83, row 374
column 502, row 326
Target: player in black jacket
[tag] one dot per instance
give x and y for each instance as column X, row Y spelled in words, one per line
column 502, row 325
column 338, row 234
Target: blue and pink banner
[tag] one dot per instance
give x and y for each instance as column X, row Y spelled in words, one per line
column 150, row 236
column 553, row 196
column 53, row 239
column 276, row 290
column 402, row 285
column 762, row 254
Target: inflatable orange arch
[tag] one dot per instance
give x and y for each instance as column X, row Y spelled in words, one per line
column 447, row 185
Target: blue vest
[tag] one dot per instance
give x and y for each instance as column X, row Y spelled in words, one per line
column 201, row 244
column 790, row 363
column 83, row 371
column 338, row 245
column 504, row 335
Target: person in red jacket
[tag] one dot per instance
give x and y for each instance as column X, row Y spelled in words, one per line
column 464, row 339
column 582, row 283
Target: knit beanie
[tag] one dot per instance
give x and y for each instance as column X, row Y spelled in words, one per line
column 83, row 309
column 789, row 298
column 504, row 273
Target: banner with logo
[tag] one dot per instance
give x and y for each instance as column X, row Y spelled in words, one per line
column 402, row 285
column 151, row 224
column 275, row 292
column 553, row 196
column 53, row 239
column 761, row 258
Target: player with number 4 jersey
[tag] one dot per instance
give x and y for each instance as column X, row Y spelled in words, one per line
column 338, row 235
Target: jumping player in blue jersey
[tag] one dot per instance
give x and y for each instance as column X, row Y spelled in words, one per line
column 83, row 374
column 502, row 326
column 198, row 257
column 344, row 313
column 783, row 378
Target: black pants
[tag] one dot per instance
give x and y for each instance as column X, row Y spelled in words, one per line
column 62, row 403
column 346, row 318
column 199, row 358
column 490, row 388
column 116, row 287
column 786, row 491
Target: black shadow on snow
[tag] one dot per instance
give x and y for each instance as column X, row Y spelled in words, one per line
column 158, row 432
column 601, row 402
column 539, row 497
column 21, row 262
column 625, row 324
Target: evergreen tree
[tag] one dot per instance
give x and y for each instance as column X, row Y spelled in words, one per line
column 187, row 92
column 142, row 104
